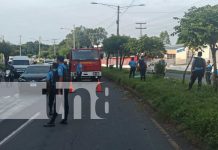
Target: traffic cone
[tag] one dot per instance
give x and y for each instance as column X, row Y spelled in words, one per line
column 71, row 89
column 98, row 87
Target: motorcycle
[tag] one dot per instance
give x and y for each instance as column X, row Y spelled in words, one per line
column 9, row 76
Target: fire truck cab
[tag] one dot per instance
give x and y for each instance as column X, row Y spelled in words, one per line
column 90, row 58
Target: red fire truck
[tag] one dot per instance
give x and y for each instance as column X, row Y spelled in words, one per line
column 90, row 58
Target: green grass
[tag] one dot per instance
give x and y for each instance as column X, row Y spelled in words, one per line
column 177, row 71
column 196, row 111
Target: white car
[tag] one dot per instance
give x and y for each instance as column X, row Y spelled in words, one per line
column 150, row 67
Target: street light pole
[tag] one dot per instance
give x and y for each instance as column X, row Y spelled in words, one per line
column 20, row 46
column 54, row 46
column 39, row 47
column 118, row 12
column 74, row 37
column 118, row 20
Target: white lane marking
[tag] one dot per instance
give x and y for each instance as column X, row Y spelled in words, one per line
column 19, row 129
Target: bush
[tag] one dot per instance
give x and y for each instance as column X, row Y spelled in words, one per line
column 195, row 111
column 159, row 68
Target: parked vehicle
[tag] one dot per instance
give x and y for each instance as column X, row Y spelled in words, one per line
column 35, row 73
column 31, row 81
column 48, row 61
column 150, row 68
column 20, row 63
column 90, row 58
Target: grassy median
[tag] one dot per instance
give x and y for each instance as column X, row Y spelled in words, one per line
column 195, row 111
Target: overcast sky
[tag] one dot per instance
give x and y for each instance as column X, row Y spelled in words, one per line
column 34, row 18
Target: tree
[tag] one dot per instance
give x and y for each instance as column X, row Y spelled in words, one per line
column 5, row 49
column 165, row 38
column 199, row 28
column 152, row 46
column 86, row 37
column 116, row 45
column 97, row 35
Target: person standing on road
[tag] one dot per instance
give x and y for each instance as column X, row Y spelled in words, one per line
column 197, row 70
column 208, row 72
column 132, row 65
column 52, row 78
column 62, row 77
column 79, row 69
column 142, row 67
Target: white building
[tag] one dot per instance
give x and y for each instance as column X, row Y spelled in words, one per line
column 183, row 54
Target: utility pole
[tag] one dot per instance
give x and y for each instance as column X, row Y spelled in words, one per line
column 74, row 37
column 118, row 20
column 141, row 28
column 39, row 47
column 20, row 46
column 54, row 40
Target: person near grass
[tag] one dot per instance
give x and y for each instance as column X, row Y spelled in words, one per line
column 79, row 69
column 208, row 72
column 143, row 67
column 197, row 70
column 132, row 65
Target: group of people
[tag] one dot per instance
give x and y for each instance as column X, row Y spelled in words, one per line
column 142, row 66
column 59, row 72
column 199, row 69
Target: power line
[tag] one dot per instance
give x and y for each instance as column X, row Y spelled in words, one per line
column 128, row 7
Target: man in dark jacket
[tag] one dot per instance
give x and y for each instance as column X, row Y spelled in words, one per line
column 197, row 70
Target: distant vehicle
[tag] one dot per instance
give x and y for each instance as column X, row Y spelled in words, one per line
column 32, row 79
column 9, row 75
column 10, row 59
column 90, row 58
column 48, row 61
column 35, row 73
column 20, row 63
column 150, row 67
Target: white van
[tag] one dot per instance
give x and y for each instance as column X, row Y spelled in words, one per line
column 20, row 63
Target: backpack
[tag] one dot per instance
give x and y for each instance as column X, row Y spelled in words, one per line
column 199, row 62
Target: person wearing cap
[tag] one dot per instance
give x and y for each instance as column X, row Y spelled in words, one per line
column 62, row 77
column 197, row 71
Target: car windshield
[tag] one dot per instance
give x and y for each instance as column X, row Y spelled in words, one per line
column 85, row 55
column 20, row 62
column 37, row 69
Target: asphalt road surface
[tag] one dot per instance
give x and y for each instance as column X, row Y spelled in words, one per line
column 127, row 126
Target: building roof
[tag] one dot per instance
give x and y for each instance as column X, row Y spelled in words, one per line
column 173, row 47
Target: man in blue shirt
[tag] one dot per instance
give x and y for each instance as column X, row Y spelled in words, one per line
column 132, row 65
column 51, row 85
column 79, row 68
column 62, row 77
column 208, row 72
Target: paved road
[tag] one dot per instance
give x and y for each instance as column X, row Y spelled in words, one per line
column 126, row 127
